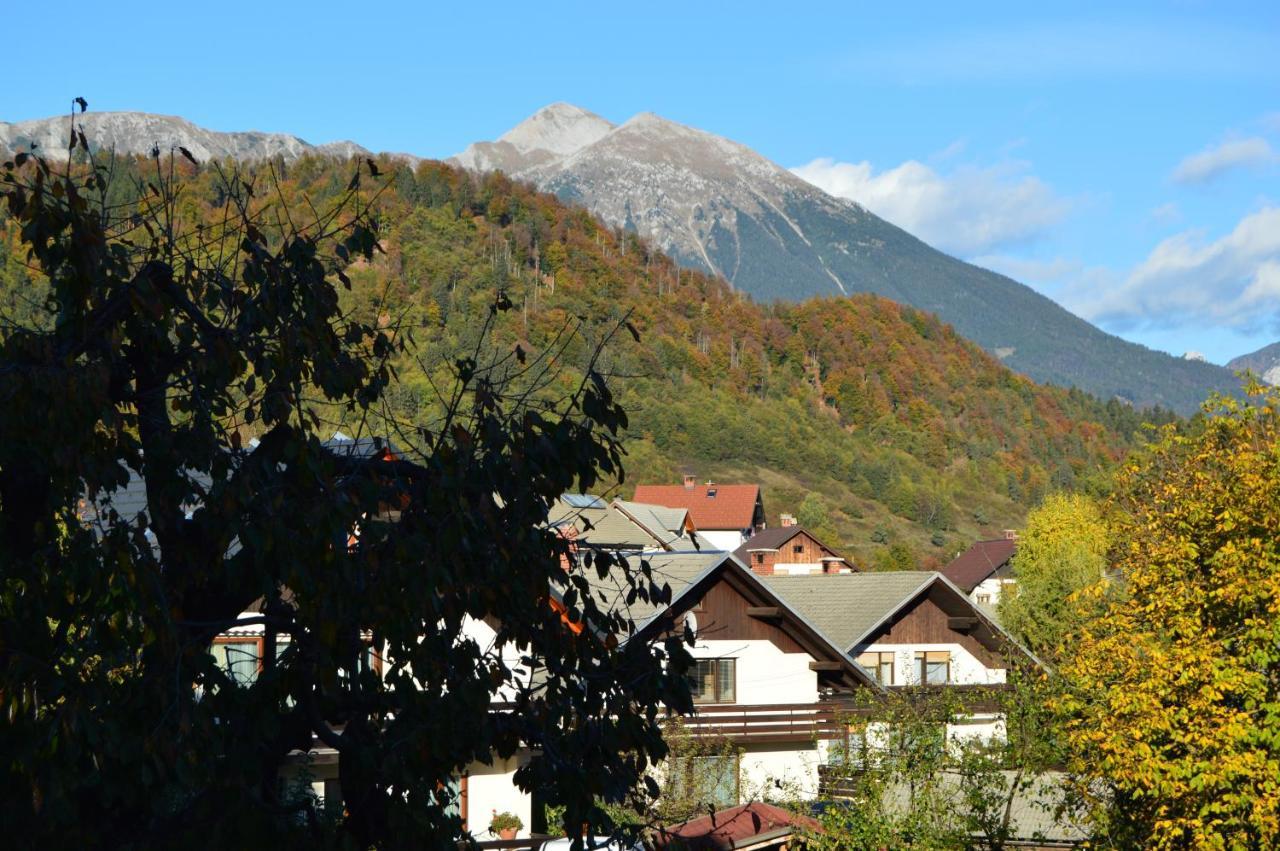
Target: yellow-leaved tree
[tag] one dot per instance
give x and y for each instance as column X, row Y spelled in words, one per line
column 1171, row 706
column 1062, row 549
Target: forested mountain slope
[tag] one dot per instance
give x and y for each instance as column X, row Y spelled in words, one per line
column 718, row 206
column 911, row 434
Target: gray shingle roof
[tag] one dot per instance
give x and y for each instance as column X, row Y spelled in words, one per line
column 679, row 570
column 624, row 525
column 656, row 518
column 844, row 606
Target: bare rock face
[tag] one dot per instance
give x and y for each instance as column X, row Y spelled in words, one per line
column 1264, row 363
column 716, row 205
column 551, row 133
column 139, row 132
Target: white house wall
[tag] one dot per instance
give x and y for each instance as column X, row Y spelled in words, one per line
column 990, row 588
column 778, row 771
column 720, row 539
column 492, row 788
column 764, row 673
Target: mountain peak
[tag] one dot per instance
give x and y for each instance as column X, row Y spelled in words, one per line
column 559, row 128
column 138, row 132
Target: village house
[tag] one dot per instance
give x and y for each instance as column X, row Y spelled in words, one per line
column 909, row 628
column 724, row 515
column 765, row 680
column 782, row 644
column 984, row 570
column 790, row 550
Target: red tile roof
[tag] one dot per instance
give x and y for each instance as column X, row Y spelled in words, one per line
column 745, row 826
column 732, row 506
column 979, row 561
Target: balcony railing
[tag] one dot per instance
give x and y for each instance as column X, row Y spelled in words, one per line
column 773, row 722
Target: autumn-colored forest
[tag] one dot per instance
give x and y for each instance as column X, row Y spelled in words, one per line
column 915, row 440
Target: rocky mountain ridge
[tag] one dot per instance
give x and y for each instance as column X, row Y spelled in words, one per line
column 139, row 132
column 1265, row 363
column 718, row 206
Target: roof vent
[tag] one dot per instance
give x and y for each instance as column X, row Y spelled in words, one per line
column 787, row 520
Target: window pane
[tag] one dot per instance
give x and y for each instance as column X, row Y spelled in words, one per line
column 702, row 683
column 871, row 661
column 727, row 684
column 238, row 658
column 706, row 780
column 723, row 791
column 935, row 673
column 454, row 788
column 886, row 669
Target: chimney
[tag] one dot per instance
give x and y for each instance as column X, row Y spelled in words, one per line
column 787, row 520
column 1011, row 534
column 689, row 482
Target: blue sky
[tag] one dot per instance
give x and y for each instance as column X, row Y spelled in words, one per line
column 1124, row 159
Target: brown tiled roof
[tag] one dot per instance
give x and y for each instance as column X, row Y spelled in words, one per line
column 732, row 506
column 737, row 827
column 978, row 562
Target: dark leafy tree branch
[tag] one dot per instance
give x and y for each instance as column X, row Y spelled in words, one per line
column 166, row 339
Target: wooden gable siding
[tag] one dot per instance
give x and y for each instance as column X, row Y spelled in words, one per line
column 925, row 622
column 811, row 552
column 722, row 614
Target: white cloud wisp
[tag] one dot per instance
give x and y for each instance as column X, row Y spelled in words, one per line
column 970, row 210
column 1188, row 281
column 1216, row 160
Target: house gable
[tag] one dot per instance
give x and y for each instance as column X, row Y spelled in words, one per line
column 789, row 545
column 729, row 603
column 722, row 615
column 940, row 616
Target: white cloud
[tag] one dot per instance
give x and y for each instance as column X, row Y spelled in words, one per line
column 1215, row 160
column 1190, row 281
column 970, row 210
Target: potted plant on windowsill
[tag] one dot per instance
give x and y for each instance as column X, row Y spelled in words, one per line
column 505, row 825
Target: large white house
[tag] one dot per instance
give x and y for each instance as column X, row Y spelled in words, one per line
column 909, row 628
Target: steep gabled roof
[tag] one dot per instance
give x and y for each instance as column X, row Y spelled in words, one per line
column 673, row 527
column 712, row 506
column 851, row 607
column 362, row 447
column 846, row 606
column 978, row 562
column 690, row 576
column 625, row 525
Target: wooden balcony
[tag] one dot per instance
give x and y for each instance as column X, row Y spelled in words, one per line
column 744, row 723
